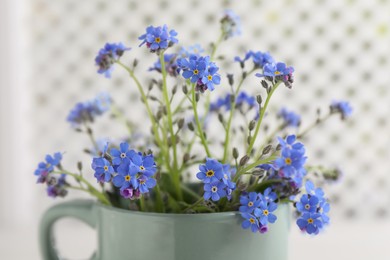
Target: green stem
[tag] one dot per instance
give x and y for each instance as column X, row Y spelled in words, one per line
column 229, row 123
column 150, row 113
column 253, row 165
column 316, row 123
column 198, row 125
column 262, row 113
column 142, row 204
column 118, row 114
column 91, row 189
column 216, row 45
column 175, row 172
column 200, row 200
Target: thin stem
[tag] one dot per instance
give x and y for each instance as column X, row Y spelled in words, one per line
column 91, row 189
column 198, row 125
column 200, row 200
column 316, row 123
column 150, row 113
column 142, row 204
column 262, row 113
column 253, row 165
column 216, row 45
column 229, row 123
column 175, row 172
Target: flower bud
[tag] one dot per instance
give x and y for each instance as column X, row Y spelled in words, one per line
column 80, row 166
column 259, row 99
column 185, row 89
column 230, row 79
column 244, row 160
column 180, row 123
column 235, row 153
column 267, row 149
column 191, row 126
column 252, row 125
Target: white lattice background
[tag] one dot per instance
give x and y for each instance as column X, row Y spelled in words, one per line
column 340, row 50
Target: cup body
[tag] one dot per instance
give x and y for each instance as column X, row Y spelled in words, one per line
column 217, row 236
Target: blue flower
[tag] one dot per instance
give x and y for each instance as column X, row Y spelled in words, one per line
column 249, row 203
column 103, row 169
column 215, row 191
column 279, row 71
column 170, row 65
column 230, row 24
column 143, row 165
column 85, row 112
column 260, row 59
column 145, row 183
column 290, row 118
column 221, row 102
column 125, row 179
column 47, row 166
column 310, row 222
column 269, row 195
column 107, row 56
column 193, row 50
column 291, row 164
column 122, row 155
column 307, row 204
column 342, row 107
column 194, row 67
column 244, row 98
column 290, row 143
column 211, row 77
column 250, row 221
column 210, row 172
column 158, row 38
column 264, row 212
column 242, row 61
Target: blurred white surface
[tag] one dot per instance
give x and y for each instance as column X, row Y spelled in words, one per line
column 341, row 240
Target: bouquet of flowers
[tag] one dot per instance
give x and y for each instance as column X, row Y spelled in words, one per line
column 252, row 172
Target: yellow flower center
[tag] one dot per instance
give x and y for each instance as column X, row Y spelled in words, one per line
column 209, row 77
column 158, row 39
column 252, row 220
column 307, row 206
column 142, row 168
column 210, row 173
column 310, row 221
column 288, row 161
column 127, row 177
column 265, row 212
column 250, row 204
column 196, row 72
column 105, row 168
column 277, row 72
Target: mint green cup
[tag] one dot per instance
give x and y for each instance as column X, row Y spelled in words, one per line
column 124, row 234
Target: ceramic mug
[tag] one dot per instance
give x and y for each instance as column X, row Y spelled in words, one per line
column 124, row 234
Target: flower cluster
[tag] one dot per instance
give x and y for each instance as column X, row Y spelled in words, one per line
column 85, row 112
column 127, row 169
column 313, row 209
column 55, row 185
column 217, row 180
column 200, row 70
column 158, row 38
column 108, row 55
column 260, row 59
column 257, row 210
column 342, row 107
column 230, row 24
column 278, row 71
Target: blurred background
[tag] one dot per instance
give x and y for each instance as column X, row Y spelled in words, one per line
column 340, row 51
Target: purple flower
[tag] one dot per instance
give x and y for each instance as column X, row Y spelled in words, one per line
column 108, row 55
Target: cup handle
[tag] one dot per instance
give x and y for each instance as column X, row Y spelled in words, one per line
column 79, row 209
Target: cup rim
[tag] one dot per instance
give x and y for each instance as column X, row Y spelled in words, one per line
column 182, row 215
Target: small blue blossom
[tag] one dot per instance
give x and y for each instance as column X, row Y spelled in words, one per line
column 269, row 195
column 125, row 179
column 144, row 184
column 279, row 71
column 85, row 112
column 250, row 222
column 307, row 204
column 221, row 102
column 158, row 38
column 310, row 222
column 342, row 107
column 290, row 118
column 47, row 166
column 264, row 212
column 214, row 190
column 193, row 50
column 211, row 77
column 249, row 203
column 230, row 24
column 108, row 55
column 122, row 155
column 260, row 59
column 244, row 98
column 242, row 61
column 143, row 165
column 290, row 143
column 103, row 169
column 212, row 171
